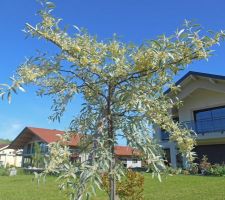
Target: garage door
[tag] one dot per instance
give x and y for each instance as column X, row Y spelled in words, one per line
column 215, row 153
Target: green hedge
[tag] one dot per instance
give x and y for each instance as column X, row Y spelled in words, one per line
column 216, row 170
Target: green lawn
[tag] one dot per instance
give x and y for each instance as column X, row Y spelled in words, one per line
column 175, row 187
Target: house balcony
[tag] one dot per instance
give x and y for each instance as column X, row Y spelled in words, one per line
column 31, row 153
column 210, row 128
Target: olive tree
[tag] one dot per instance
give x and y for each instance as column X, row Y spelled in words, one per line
column 122, row 86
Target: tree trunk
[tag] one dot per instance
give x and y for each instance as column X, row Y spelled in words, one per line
column 111, row 137
column 112, row 180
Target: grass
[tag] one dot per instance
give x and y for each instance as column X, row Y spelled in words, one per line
column 176, row 187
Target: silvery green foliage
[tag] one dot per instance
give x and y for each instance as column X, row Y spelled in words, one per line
column 123, row 90
column 6, row 90
column 80, row 179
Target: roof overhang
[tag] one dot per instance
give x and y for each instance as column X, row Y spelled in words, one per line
column 3, row 146
column 205, row 81
column 24, row 137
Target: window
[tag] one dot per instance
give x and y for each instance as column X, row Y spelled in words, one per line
column 164, row 135
column 134, row 161
column 208, row 120
column 28, row 148
column 32, row 148
column 43, row 146
column 209, row 114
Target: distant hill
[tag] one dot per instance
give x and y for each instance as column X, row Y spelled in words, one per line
column 4, row 141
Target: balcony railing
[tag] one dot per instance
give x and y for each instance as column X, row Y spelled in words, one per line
column 200, row 126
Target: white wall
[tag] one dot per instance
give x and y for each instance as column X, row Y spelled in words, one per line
column 200, row 99
column 10, row 157
column 84, row 156
column 132, row 164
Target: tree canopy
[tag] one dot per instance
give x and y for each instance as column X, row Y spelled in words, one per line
column 122, row 87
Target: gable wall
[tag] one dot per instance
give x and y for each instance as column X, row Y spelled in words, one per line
column 200, row 99
column 33, row 140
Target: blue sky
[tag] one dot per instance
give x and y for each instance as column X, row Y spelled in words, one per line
column 134, row 20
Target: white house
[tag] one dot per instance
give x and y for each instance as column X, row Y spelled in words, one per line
column 9, row 156
column 203, row 111
column 129, row 156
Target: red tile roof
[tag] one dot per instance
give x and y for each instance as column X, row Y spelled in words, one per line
column 52, row 135
column 125, row 151
column 49, row 136
column 46, row 135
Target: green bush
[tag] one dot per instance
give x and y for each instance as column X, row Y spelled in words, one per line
column 204, row 165
column 194, row 169
column 171, row 170
column 211, row 170
column 131, row 187
column 4, row 171
column 186, row 172
column 216, row 170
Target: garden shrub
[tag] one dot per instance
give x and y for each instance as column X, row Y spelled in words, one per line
column 131, row 187
column 186, row 172
column 4, row 171
column 173, row 171
column 204, row 165
column 211, row 170
column 194, row 169
column 216, row 170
